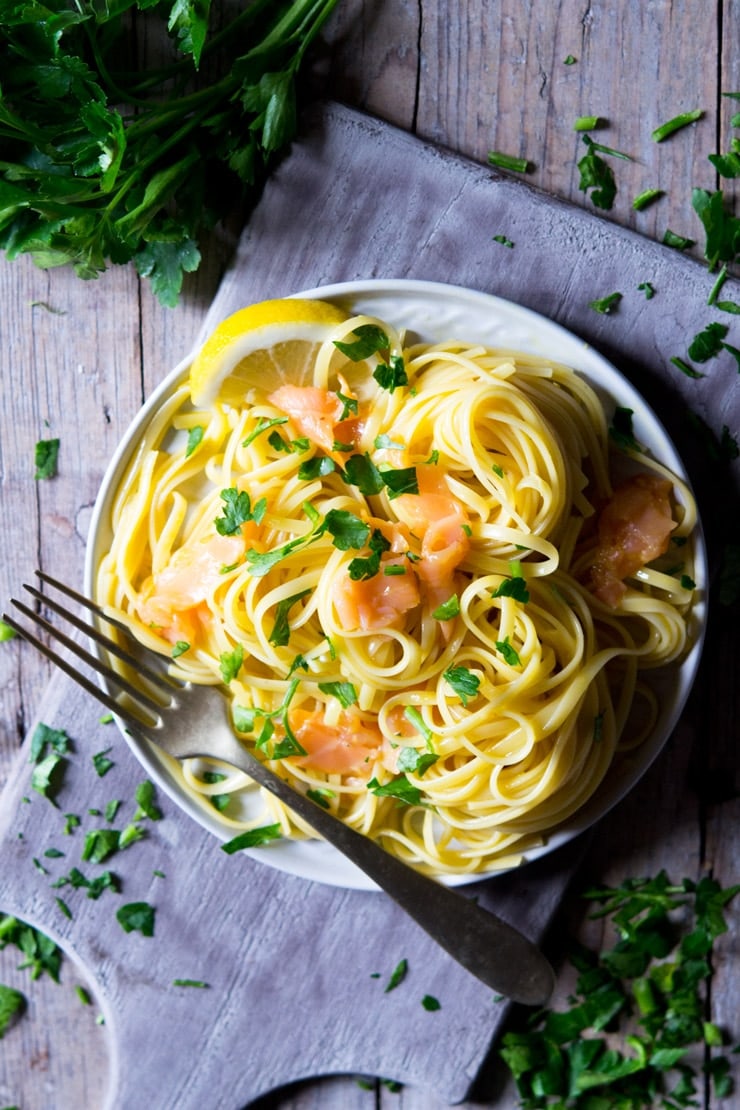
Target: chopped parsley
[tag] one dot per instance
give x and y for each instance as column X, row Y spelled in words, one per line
column 411, row 759
column 370, row 339
column 280, row 634
column 397, row 975
column 508, row 652
column 399, row 788
column 597, row 175
column 508, row 162
column 671, row 125
column 515, row 588
column 448, row 609
column 391, row 375
column 46, row 458
column 708, row 342
column 195, row 438
column 12, row 1003
column 262, row 426
column 345, row 692
column 238, row 510
column 504, row 241
column 137, row 917
column 606, row 305
column 317, row 467
column 465, row 684
column 182, row 646
column 230, row 663
column 102, row 763
column 645, row 198
column 252, row 838
column 620, row 429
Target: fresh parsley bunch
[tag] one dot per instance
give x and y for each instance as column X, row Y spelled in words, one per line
column 103, row 160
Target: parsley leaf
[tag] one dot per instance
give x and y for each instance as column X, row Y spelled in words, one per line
column 463, row 682
column 252, row 838
column 138, row 917
column 391, row 375
column 280, row 634
column 448, row 609
column 370, row 339
column 230, row 663
column 237, row 511
column 707, row 343
column 343, row 691
column 399, row 788
column 195, row 438
column 46, row 456
column 597, row 176
column 12, row 1002
column 515, row 588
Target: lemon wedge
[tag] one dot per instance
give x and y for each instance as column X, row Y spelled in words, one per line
column 261, row 347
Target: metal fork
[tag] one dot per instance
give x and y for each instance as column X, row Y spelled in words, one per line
column 190, row 721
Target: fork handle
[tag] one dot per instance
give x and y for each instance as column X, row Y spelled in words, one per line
column 487, row 946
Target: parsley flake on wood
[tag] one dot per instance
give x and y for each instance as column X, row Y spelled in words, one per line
column 707, row 343
column 606, row 305
column 598, row 176
column 508, row 162
column 102, row 763
column 12, row 1004
column 675, row 124
column 137, row 917
column 397, row 975
column 646, row 198
column 46, row 458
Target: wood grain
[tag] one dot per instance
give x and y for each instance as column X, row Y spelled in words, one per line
column 473, row 78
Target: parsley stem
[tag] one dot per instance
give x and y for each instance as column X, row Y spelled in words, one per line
column 586, row 123
column 643, row 199
column 675, row 124
column 715, row 290
column 508, row 162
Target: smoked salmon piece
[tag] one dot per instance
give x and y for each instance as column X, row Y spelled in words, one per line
column 634, row 527
column 178, row 592
column 346, row 748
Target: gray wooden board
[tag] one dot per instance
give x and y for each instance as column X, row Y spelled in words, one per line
column 290, row 963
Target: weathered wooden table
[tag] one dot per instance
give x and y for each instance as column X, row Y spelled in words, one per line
column 78, row 359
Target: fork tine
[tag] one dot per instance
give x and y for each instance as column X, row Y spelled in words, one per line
column 158, row 678
column 128, row 716
column 86, row 656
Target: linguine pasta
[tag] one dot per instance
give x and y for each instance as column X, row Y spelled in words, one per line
column 393, row 570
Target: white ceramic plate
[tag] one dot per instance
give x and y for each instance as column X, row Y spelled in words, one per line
column 435, row 312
